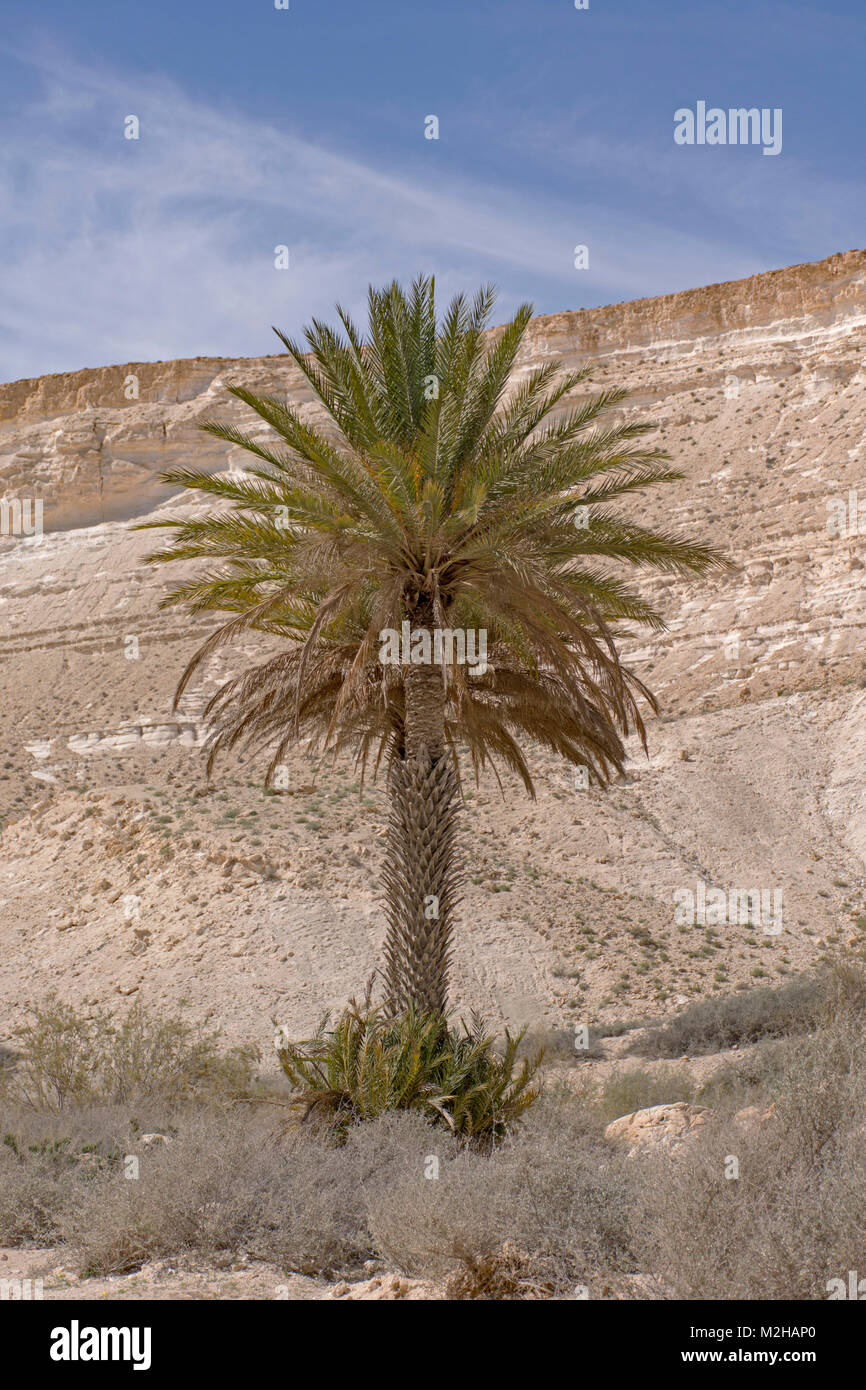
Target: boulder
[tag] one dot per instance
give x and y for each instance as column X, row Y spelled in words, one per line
column 659, row 1126
column 389, row 1286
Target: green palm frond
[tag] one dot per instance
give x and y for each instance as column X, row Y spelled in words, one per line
column 368, row 1063
column 432, row 484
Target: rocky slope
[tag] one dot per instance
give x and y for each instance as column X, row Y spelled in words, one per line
column 121, row 874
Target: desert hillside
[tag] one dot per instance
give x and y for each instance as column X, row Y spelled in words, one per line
column 122, row 874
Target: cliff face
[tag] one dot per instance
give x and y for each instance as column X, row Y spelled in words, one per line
column 757, row 774
column 90, row 443
column 756, row 391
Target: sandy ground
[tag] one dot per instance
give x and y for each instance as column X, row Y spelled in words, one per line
column 137, row 882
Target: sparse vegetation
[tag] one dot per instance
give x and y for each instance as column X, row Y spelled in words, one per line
column 69, row 1058
column 797, row 1006
column 551, row 1206
column 795, row 1216
column 634, row 1089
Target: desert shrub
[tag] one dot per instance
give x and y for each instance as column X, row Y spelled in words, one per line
column 34, row 1191
column 201, row 1193
column 795, row 1217
column 546, row 1208
column 505, row 1273
column 628, row 1089
column 216, row 1183
column 818, row 1086
column 557, row 1045
column 844, row 985
column 728, row 1087
column 779, row 1231
column 44, row 1167
column 219, row 1188
column 313, row 1209
column 65, row 1057
column 550, row 1208
column 705, row 1235
column 710, row 1025
column 731, row 1086
column 370, row 1063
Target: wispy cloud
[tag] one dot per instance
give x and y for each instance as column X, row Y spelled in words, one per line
column 116, row 250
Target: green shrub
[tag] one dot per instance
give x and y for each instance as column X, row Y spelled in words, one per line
column 69, row 1058
column 627, row 1090
column 371, row 1063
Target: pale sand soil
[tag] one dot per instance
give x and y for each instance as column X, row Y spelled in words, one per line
column 162, row 1280
column 125, row 888
column 159, row 1280
column 167, row 1279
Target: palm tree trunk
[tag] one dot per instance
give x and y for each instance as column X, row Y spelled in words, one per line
column 421, row 871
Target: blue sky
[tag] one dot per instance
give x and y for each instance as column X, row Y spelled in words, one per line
column 305, row 127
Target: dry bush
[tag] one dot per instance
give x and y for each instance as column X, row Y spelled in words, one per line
column 188, row 1197
column 313, row 1215
column 46, row 1163
column 34, row 1194
column 796, row 1215
column 226, row 1185
column 818, row 1085
column 798, row 1006
column 554, row 1192
column 628, row 1089
column 557, row 1045
column 223, row 1181
column 732, row 1085
column 219, row 1186
column 728, row 1087
column 552, row 1207
column 504, row 1273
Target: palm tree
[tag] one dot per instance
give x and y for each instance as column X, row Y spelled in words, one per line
column 441, row 497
